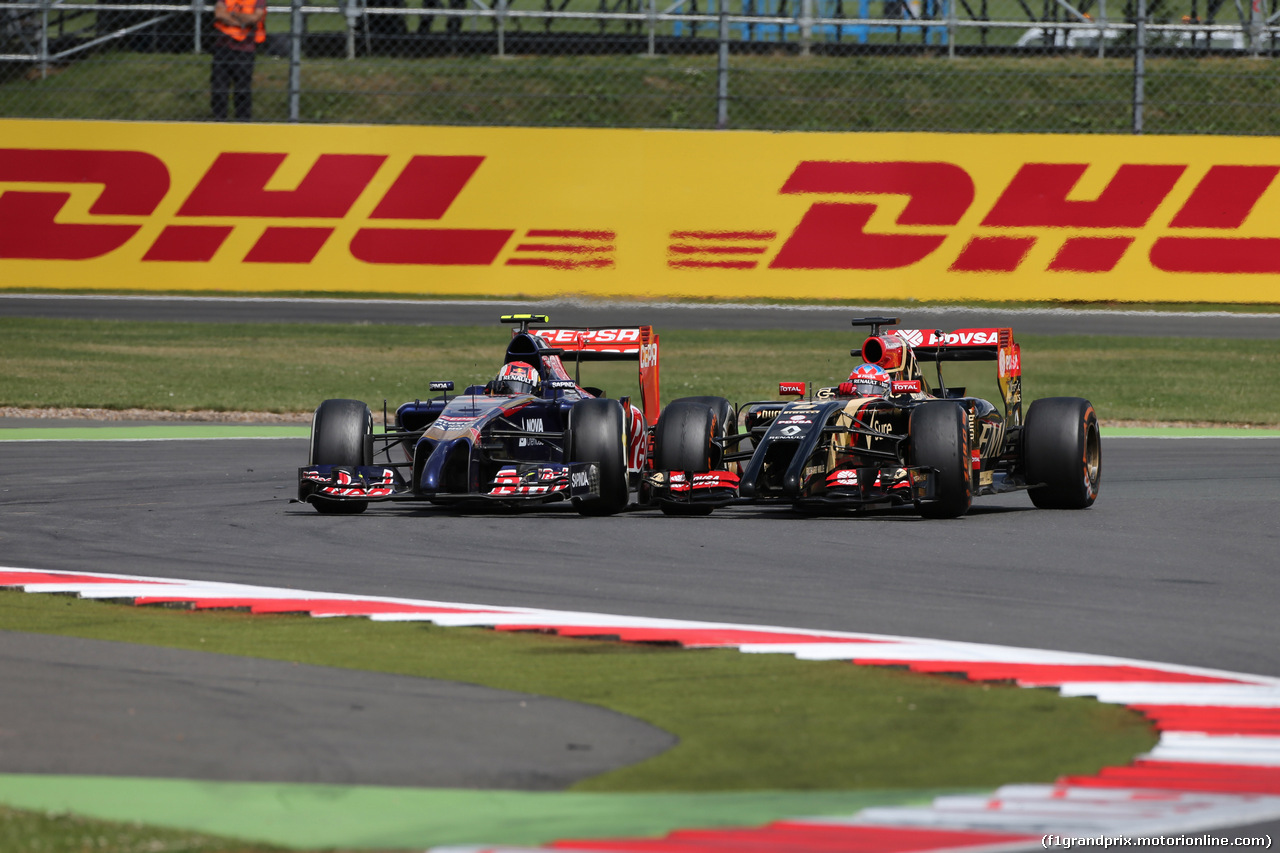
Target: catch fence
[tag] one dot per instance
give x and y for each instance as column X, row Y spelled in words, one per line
column 1035, row 66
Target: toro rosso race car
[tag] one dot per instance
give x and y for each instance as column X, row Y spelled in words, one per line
column 885, row 437
column 532, row 435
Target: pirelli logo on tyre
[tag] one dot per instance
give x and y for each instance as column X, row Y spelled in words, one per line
column 506, row 211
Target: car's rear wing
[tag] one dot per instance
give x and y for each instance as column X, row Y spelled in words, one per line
column 982, row 344
column 604, row 343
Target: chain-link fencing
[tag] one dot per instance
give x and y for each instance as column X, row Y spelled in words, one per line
column 1036, row 66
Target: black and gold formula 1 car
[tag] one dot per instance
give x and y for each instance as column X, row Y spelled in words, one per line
column 910, row 444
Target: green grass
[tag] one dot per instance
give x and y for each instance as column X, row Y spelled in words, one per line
column 745, row 722
column 292, row 367
column 33, row 832
column 865, row 92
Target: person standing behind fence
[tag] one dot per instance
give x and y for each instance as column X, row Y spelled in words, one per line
column 241, row 28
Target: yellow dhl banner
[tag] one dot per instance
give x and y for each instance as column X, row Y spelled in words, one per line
column 637, row 213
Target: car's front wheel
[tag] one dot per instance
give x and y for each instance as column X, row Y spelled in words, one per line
column 597, row 433
column 683, row 441
column 341, row 434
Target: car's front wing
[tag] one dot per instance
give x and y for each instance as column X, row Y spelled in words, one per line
column 524, row 482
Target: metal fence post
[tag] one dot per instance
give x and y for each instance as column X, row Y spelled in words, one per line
column 44, row 39
column 951, row 29
column 806, row 26
column 1257, row 21
column 722, row 70
column 502, row 28
column 1139, row 64
column 295, row 59
column 197, row 12
column 1102, row 29
column 653, row 27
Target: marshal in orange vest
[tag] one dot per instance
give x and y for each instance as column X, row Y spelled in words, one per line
column 242, row 7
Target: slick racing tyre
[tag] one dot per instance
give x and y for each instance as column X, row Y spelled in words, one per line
column 683, row 441
column 726, row 422
column 939, row 436
column 1062, row 453
column 341, row 434
column 597, row 433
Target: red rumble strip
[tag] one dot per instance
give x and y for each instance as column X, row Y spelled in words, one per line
column 1217, row 762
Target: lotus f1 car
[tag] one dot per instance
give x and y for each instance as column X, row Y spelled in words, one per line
column 555, row 441
column 933, row 448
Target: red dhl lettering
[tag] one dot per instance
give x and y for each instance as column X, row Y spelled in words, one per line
column 232, row 189
column 832, row 235
column 1041, row 200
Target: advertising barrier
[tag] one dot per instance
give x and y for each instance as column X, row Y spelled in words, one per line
column 638, row 213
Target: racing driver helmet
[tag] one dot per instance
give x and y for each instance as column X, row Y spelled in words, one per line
column 869, row 380
column 516, row 377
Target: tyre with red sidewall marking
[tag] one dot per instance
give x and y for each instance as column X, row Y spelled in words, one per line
column 726, row 422
column 341, row 434
column 939, row 439
column 1062, row 453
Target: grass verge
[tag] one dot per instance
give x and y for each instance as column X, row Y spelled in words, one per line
column 292, row 367
column 745, row 722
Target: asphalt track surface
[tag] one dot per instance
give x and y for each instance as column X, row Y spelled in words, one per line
column 1176, row 562
column 152, row 712
column 660, row 315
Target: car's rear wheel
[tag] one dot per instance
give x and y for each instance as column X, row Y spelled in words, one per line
column 939, row 436
column 597, row 433
column 683, row 441
column 341, row 434
column 1062, row 453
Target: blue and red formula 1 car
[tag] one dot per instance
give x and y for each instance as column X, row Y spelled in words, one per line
column 885, row 437
column 533, row 435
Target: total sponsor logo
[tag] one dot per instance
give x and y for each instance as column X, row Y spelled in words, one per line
column 906, row 386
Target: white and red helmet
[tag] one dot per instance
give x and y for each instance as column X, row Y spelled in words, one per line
column 516, row 377
column 869, row 380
